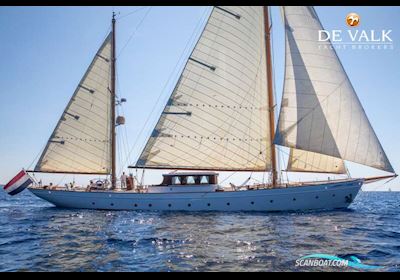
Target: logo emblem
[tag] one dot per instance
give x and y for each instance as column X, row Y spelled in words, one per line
column 353, row 20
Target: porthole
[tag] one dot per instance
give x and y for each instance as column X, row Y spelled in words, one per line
column 136, row 205
column 333, row 195
column 271, row 201
column 112, row 204
column 169, row 205
column 93, row 203
column 189, row 205
column 228, row 204
column 208, row 204
column 252, row 203
column 317, row 197
column 294, row 199
column 150, row 205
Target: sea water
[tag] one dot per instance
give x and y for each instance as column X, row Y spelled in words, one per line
column 35, row 236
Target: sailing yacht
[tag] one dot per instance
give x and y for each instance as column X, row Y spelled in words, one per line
column 220, row 117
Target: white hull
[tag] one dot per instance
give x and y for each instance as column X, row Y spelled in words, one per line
column 330, row 195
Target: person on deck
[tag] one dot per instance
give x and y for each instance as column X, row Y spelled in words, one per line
column 133, row 182
column 130, row 183
column 123, row 180
column 91, row 186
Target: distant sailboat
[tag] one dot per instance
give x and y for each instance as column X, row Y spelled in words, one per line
column 221, row 117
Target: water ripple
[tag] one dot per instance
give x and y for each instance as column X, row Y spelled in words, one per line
column 37, row 237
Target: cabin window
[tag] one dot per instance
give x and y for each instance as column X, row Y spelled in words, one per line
column 204, row 180
column 213, row 180
column 190, row 180
column 176, row 181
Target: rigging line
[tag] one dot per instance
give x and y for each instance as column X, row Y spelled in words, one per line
column 134, row 32
column 250, row 87
column 125, row 139
column 37, row 156
column 60, row 181
column 348, row 171
column 311, row 110
column 386, row 182
column 250, row 160
column 121, row 147
column 193, row 41
column 119, row 139
column 173, row 74
column 121, row 150
column 124, row 133
column 233, row 41
column 223, row 181
column 131, row 13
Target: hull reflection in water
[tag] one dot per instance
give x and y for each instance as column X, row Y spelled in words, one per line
column 331, row 195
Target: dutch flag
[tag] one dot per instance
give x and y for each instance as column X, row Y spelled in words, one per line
column 18, row 183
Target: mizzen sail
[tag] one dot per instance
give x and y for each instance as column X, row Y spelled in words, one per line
column 81, row 142
column 320, row 110
column 217, row 116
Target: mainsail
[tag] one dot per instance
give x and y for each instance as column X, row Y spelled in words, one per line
column 303, row 161
column 81, row 142
column 217, row 116
column 320, row 111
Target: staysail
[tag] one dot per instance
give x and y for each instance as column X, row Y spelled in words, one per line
column 81, row 142
column 320, row 111
column 303, row 161
column 217, row 116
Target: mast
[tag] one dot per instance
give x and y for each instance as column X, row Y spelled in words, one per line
column 271, row 103
column 113, row 135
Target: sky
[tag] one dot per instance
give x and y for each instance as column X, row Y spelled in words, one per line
column 46, row 50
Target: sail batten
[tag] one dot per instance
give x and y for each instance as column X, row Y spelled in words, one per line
column 320, row 111
column 217, row 116
column 80, row 143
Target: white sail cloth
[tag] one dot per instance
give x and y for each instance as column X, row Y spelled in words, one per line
column 303, row 161
column 217, row 117
column 320, row 110
column 80, row 142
